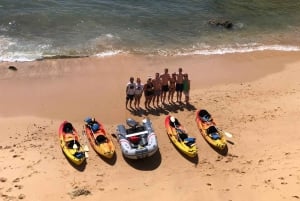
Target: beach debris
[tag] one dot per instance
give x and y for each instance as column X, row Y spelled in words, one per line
column 13, row 68
column 21, row 196
column 79, row 192
column 18, row 186
column 221, row 22
column 16, row 180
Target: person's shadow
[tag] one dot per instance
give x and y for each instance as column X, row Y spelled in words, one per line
column 164, row 109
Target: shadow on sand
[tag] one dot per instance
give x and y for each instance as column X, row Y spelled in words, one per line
column 110, row 161
column 164, row 109
column 222, row 152
column 194, row 160
column 145, row 164
column 80, row 167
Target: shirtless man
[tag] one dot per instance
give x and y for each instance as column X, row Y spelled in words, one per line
column 179, row 85
column 157, row 83
column 165, row 85
column 172, row 88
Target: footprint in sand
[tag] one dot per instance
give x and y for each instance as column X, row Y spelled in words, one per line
column 18, row 186
column 16, row 180
column 2, row 179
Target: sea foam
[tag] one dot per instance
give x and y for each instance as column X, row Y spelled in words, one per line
column 239, row 49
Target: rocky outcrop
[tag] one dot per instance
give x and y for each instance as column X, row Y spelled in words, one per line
column 220, row 22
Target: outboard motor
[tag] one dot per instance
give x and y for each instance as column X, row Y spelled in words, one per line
column 131, row 123
column 147, row 125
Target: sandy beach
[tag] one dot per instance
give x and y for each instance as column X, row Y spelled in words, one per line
column 254, row 96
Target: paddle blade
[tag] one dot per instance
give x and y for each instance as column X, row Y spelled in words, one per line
column 228, row 134
column 86, row 154
column 172, row 119
column 86, row 148
column 75, row 146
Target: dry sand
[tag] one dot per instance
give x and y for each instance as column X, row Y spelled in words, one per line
column 254, row 96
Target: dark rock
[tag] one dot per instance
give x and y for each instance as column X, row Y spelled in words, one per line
column 223, row 23
column 2, row 179
column 13, row 68
column 80, row 192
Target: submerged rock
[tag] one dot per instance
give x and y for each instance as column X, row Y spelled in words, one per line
column 224, row 23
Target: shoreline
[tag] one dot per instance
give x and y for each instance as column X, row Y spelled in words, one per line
column 254, row 96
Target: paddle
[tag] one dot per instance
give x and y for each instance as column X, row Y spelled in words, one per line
column 85, row 147
column 226, row 133
column 187, row 139
column 172, row 119
column 74, row 141
column 75, row 145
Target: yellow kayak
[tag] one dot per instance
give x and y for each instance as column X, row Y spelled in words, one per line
column 209, row 131
column 69, row 142
column 178, row 136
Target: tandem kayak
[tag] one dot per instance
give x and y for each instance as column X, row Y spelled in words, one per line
column 69, row 142
column 207, row 127
column 179, row 137
column 98, row 138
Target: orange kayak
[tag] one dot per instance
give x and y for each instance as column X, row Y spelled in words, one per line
column 98, row 138
column 209, row 131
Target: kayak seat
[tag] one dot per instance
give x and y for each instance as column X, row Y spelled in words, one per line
column 68, row 128
column 79, row 155
column 204, row 115
column 100, row 139
column 189, row 141
column 71, row 143
column 183, row 136
column 213, row 133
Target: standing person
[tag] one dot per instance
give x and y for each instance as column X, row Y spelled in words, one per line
column 172, row 87
column 186, row 87
column 148, row 92
column 130, row 91
column 165, row 85
column 157, row 84
column 139, row 88
column 179, row 85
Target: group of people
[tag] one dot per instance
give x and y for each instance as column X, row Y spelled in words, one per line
column 159, row 89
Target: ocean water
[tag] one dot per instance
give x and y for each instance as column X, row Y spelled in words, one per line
column 38, row 29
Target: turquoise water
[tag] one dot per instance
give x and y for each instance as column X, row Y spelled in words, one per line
column 35, row 29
